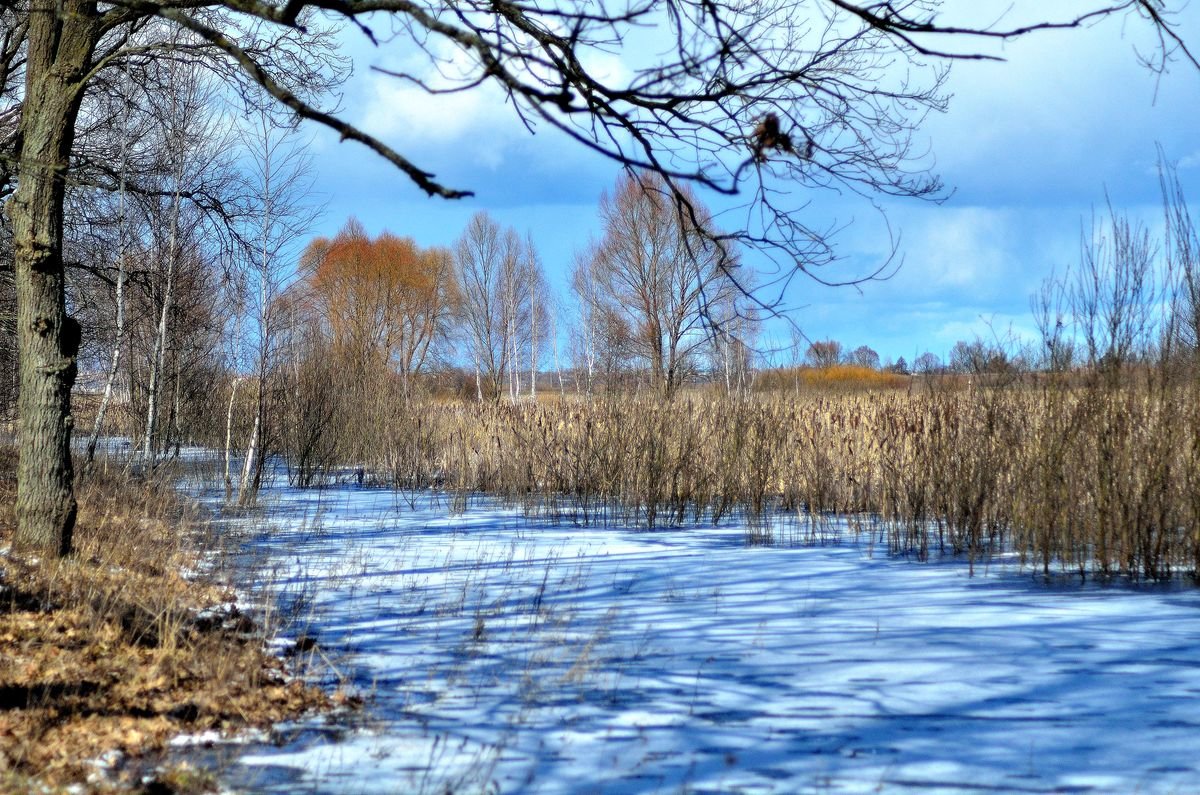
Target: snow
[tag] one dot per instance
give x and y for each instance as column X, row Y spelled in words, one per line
column 512, row 654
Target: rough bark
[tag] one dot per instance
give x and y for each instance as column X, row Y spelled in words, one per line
column 61, row 40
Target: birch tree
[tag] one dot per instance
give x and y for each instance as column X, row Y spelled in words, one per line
column 482, row 257
column 125, row 134
column 279, row 181
column 192, row 145
column 500, row 278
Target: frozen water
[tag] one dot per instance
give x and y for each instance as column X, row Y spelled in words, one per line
column 500, row 653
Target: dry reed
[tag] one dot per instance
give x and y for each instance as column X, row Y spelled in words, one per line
column 1074, row 473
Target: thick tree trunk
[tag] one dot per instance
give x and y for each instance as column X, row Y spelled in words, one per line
column 61, row 38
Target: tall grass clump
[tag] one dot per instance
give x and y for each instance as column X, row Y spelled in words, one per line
column 1072, row 472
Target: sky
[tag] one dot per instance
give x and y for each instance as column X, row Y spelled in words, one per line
column 1029, row 149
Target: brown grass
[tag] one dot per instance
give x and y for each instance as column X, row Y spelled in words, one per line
column 1077, row 473
column 108, row 650
column 842, row 377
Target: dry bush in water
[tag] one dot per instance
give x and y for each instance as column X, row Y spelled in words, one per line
column 1076, row 474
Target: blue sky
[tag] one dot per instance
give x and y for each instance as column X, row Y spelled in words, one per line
column 1029, row 147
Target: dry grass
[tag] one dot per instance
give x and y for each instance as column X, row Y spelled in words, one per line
column 842, row 377
column 1076, row 473
column 111, row 650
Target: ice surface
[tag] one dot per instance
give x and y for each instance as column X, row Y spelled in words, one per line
column 501, row 653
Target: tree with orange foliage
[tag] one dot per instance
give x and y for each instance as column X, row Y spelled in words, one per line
column 384, row 302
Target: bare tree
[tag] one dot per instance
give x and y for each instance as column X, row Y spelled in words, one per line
column 655, row 275
column 927, row 363
column 541, row 311
column 125, row 133
column 585, row 334
column 279, row 176
column 498, row 275
column 864, row 356
column 824, row 353
column 193, row 145
column 748, row 98
column 1052, row 314
column 1115, row 292
column 733, row 353
column 1183, row 261
column 236, row 294
column 385, row 303
column 14, row 26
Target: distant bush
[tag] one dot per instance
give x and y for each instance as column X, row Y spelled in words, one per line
column 839, row 377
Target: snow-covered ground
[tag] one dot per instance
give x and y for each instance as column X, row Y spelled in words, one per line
column 506, row 654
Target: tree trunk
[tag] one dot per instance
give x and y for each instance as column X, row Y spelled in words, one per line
column 229, row 438
column 554, row 341
column 533, row 310
column 114, row 368
column 158, row 361
column 175, row 437
column 248, row 488
column 61, row 38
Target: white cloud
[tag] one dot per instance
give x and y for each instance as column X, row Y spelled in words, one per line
column 1190, row 161
column 960, row 248
column 478, row 124
column 471, row 122
column 1066, row 111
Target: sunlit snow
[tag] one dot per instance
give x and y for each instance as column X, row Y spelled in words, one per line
column 513, row 654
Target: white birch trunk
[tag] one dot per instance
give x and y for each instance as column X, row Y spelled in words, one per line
column 119, row 342
column 533, row 310
column 248, row 489
column 237, row 381
column 160, row 341
column 554, row 342
column 245, row 493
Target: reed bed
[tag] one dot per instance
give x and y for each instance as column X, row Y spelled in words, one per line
column 1071, row 473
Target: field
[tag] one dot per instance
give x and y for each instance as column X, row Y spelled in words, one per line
column 951, row 584
column 506, row 650
column 1096, row 474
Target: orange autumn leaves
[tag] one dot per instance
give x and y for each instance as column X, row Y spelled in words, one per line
column 381, row 300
